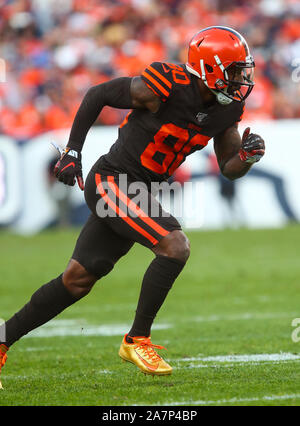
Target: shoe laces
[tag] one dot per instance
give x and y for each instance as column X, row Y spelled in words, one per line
column 148, row 348
column 3, row 360
column 3, row 356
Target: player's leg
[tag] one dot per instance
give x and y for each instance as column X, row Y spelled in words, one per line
column 171, row 253
column 46, row 303
column 49, row 301
column 163, row 235
column 98, row 248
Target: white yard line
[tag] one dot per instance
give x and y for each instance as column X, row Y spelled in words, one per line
column 56, row 328
column 246, row 316
column 237, row 400
column 229, row 365
column 35, row 349
column 79, row 327
column 244, row 358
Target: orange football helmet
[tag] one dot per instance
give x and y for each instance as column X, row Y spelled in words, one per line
column 220, row 56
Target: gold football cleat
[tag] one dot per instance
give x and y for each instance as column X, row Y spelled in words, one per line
column 3, row 358
column 142, row 353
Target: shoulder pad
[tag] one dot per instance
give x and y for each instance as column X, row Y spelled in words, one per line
column 162, row 77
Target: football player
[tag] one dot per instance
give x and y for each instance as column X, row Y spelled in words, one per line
column 175, row 111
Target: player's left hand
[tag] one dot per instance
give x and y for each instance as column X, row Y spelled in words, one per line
column 253, row 147
column 68, row 168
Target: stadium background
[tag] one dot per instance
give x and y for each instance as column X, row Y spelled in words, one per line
column 227, row 321
column 53, row 51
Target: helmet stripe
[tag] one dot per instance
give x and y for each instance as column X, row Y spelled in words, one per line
column 231, row 30
column 203, row 70
column 218, row 61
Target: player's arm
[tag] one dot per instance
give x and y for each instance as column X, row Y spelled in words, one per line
column 236, row 155
column 124, row 93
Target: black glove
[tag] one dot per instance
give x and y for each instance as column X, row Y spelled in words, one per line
column 253, row 147
column 68, row 168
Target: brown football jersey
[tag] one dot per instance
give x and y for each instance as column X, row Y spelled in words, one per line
column 151, row 146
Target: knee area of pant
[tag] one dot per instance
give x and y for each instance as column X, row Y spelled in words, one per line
column 77, row 280
column 176, row 245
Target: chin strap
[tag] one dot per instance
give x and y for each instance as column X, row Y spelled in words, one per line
column 221, row 97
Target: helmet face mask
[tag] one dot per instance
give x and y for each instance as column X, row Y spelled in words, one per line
column 239, row 80
column 220, row 57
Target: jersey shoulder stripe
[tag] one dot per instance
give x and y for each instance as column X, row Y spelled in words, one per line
column 158, row 80
column 160, row 76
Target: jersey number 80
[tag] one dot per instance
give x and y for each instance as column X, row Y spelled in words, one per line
column 160, row 156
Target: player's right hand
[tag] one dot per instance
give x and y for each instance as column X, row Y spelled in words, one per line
column 68, row 168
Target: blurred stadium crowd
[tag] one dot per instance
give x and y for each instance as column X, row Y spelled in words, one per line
column 55, row 50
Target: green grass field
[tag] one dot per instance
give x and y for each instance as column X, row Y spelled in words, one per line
column 227, row 325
